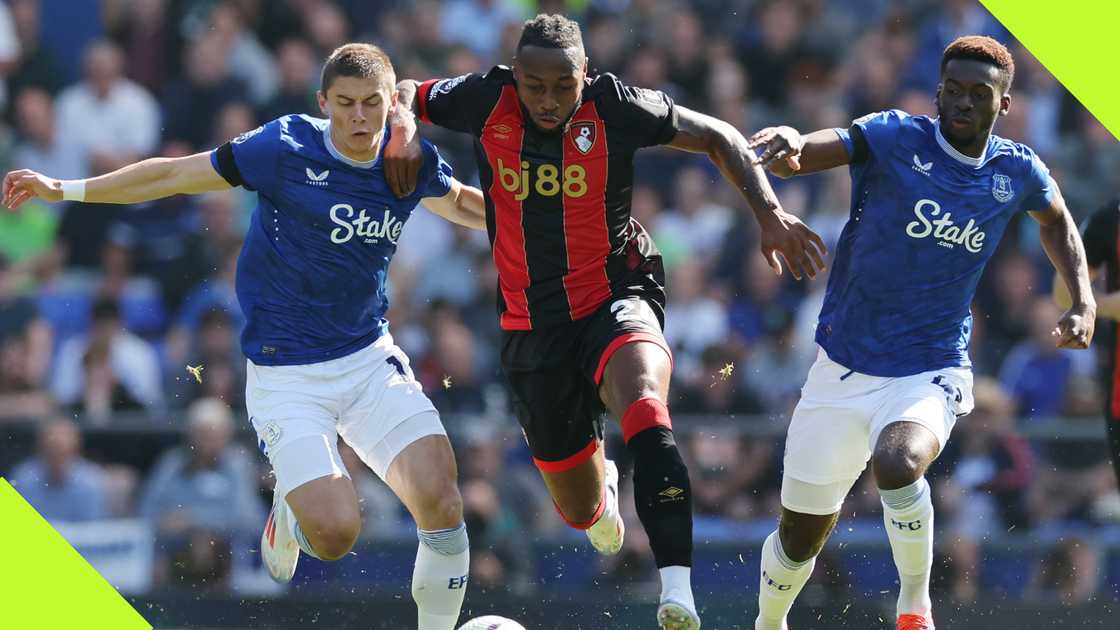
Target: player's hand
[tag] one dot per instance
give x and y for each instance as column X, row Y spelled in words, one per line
column 1075, row 328
column 777, row 143
column 403, row 155
column 23, row 185
column 785, row 236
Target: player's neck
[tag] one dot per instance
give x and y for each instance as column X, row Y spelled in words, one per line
column 974, row 149
column 359, row 156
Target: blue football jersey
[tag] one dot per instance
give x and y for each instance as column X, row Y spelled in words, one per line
column 312, row 271
column 925, row 219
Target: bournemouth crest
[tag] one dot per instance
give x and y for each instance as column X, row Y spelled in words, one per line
column 1001, row 188
column 583, row 136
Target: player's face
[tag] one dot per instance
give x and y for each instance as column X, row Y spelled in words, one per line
column 358, row 108
column 550, row 83
column 969, row 98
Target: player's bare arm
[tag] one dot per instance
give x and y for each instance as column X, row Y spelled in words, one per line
column 782, row 233
column 463, row 205
column 403, row 155
column 146, row 180
column 1062, row 243
column 785, row 152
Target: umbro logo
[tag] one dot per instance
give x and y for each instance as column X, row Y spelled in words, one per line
column 918, row 166
column 317, row 179
column 672, row 493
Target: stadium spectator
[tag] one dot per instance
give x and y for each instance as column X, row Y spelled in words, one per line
column 25, row 350
column 248, row 60
column 145, row 32
column 35, row 66
column 298, row 82
column 58, row 482
column 108, row 370
column 202, row 499
column 107, row 119
column 1036, row 372
column 479, row 23
column 982, row 482
column 40, row 147
column 191, row 103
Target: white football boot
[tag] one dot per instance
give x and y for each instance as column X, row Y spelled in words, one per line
column 674, row 615
column 279, row 549
column 607, row 534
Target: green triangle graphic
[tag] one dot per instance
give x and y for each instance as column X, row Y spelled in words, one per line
column 45, row 584
column 1076, row 41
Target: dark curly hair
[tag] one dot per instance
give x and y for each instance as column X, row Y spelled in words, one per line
column 550, row 31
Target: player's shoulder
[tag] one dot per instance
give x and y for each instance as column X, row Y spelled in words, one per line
column 612, row 95
column 291, row 130
column 1006, row 149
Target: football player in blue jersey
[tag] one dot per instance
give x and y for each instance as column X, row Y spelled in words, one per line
column 930, row 200
column 311, row 281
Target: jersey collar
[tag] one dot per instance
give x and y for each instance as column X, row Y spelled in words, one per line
column 974, row 162
column 336, row 154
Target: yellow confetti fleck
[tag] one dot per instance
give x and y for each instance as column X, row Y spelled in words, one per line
column 726, row 371
column 196, row 372
column 447, row 382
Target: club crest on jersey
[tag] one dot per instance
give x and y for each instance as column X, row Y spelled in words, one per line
column 1001, row 188
column 583, row 136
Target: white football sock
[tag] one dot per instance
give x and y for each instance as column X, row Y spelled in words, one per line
column 676, row 584
column 908, row 516
column 439, row 578
column 780, row 582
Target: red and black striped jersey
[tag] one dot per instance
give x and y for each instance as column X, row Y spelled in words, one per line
column 557, row 204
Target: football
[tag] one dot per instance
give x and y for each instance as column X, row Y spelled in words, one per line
column 491, row 622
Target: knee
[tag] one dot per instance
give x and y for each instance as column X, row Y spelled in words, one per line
column 899, row 467
column 334, row 537
column 441, row 507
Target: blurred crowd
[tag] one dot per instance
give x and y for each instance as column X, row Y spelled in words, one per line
column 102, row 307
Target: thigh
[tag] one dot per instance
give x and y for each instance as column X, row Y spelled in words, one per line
column 385, row 398
column 616, row 324
column 323, row 502
column 826, row 442
column 934, row 400
column 424, row 476
column 295, row 422
column 558, row 408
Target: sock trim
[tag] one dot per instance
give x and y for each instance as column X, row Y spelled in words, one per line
column 448, row 542
column 783, row 559
column 905, row 497
column 301, row 540
column 645, row 413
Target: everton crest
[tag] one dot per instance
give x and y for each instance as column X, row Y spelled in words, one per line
column 1001, row 188
column 583, row 136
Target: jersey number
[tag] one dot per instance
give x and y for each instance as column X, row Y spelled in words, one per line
column 548, row 182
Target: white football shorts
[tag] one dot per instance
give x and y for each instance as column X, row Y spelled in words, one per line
column 837, row 423
column 369, row 398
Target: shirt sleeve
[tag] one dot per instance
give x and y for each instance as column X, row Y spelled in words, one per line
column 1100, row 235
column 872, row 135
column 1041, row 188
column 649, row 116
column 454, row 102
column 437, row 173
column 251, row 159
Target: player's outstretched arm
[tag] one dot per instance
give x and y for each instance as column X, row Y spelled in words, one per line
column 149, row 179
column 782, row 234
column 462, row 204
column 785, row 152
column 1063, row 246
